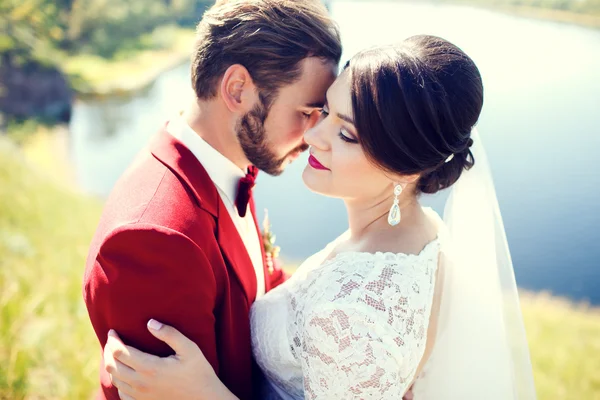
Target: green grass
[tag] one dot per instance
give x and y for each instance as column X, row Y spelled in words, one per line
column 47, row 347
column 564, row 340
column 49, row 351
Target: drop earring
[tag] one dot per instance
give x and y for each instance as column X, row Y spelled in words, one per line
column 395, row 216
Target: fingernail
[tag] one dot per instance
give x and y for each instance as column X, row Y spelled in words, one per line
column 154, row 325
column 112, row 333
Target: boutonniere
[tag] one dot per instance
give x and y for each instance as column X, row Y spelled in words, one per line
column 271, row 251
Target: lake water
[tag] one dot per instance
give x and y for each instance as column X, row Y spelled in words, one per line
column 540, row 124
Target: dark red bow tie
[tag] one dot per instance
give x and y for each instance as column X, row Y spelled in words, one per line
column 245, row 190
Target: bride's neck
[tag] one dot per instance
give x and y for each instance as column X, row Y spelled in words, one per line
column 368, row 215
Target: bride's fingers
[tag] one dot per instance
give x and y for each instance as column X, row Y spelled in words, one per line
column 125, row 396
column 175, row 339
column 123, row 388
column 120, row 372
column 130, row 356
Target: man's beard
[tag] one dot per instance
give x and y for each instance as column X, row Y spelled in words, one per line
column 253, row 138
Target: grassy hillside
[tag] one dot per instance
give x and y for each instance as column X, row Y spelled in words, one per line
column 564, row 340
column 48, row 349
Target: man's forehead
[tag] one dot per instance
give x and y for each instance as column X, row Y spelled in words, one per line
column 315, row 81
column 308, row 96
column 338, row 85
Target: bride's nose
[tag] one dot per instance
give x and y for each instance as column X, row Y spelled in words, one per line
column 316, row 137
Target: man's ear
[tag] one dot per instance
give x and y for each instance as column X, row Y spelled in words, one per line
column 238, row 90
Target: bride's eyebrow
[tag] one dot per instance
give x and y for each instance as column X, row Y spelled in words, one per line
column 346, row 118
column 340, row 115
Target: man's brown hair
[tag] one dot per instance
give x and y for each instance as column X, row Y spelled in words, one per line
column 268, row 37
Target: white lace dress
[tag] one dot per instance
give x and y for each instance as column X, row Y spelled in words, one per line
column 351, row 327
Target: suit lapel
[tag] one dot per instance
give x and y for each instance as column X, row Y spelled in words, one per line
column 180, row 160
column 235, row 251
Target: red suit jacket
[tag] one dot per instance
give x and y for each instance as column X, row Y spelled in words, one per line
column 166, row 248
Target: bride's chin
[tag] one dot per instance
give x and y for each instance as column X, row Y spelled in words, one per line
column 317, row 182
column 314, row 182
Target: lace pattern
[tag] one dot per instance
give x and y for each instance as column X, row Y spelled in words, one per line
column 352, row 327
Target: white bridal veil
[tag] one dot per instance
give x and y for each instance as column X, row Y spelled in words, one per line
column 481, row 350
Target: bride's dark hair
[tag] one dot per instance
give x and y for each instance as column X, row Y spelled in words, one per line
column 414, row 105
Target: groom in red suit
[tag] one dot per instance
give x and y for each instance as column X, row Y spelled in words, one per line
column 178, row 240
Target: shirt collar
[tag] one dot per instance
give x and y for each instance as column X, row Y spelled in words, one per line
column 222, row 171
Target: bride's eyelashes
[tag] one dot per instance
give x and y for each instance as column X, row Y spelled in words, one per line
column 346, row 137
column 343, row 134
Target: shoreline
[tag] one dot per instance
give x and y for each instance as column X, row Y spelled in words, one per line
column 94, row 77
column 543, row 14
column 131, row 85
column 560, row 16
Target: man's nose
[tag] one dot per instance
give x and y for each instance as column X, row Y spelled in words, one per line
column 314, row 119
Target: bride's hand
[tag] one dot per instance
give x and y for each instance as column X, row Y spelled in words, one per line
column 408, row 395
column 141, row 376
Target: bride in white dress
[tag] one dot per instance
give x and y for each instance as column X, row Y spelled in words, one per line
column 403, row 298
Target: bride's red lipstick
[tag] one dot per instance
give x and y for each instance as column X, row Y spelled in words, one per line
column 313, row 162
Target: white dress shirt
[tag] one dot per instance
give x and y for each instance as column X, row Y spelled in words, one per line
column 226, row 176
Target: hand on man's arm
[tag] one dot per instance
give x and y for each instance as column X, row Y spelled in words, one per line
column 145, row 272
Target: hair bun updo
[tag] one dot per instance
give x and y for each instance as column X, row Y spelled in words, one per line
column 415, row 104
column 448, row 173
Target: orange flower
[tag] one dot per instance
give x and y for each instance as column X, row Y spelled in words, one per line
column 271, row 251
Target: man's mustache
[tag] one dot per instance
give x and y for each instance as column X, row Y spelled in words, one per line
column 300, row 149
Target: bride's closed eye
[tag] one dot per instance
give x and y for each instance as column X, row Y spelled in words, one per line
column 346, row 137
column 343, row 134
